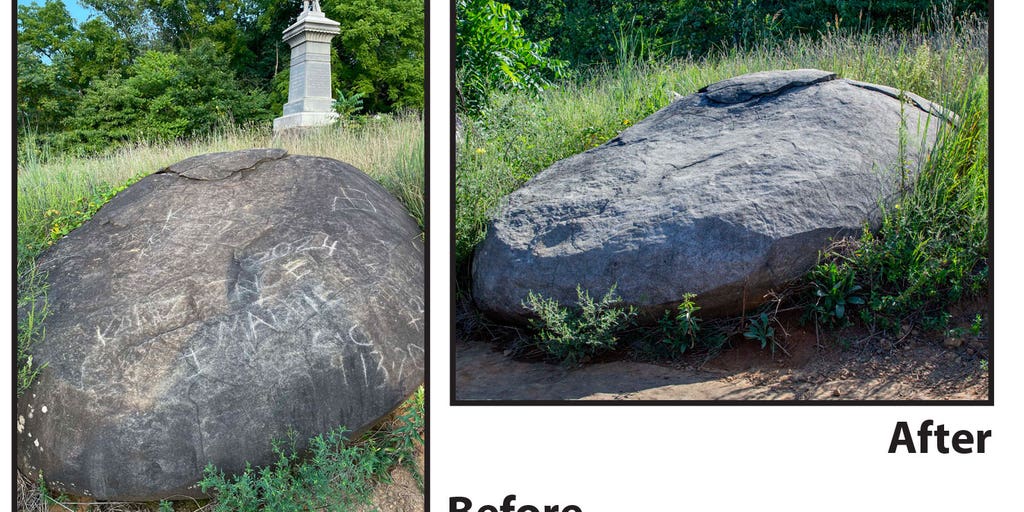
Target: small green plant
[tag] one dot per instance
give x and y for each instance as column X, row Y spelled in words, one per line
column 834, row 290
column 572, row 335
column 937, row 322
column 681, row 331
column 760, row 329
column 976, row 324
column 347, row 106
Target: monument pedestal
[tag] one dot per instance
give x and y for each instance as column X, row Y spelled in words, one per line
column 309, row 85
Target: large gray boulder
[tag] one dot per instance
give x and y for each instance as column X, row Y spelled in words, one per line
column 213, row 306
column 727, row 193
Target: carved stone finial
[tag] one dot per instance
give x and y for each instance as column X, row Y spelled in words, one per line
column 308, row 7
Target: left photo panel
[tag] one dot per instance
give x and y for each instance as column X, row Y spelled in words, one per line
column 220, row 255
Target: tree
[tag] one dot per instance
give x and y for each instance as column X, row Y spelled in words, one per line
column 45, row 88
column 492, row 51
column 164, row 95
column 380, row 51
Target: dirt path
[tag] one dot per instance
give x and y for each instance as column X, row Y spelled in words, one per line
column 916, row 367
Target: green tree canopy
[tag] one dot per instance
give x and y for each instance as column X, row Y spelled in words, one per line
column 585, row 31
column 164, row 95
column 493, row 51
column 168, row 68
column 380, row 51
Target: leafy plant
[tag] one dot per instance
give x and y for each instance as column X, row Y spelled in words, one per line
column 760, row 329
column 681, row 331
column 347, row 106
column 834, row 289
column 493, row 52
column 571, row 335
column 976, row 324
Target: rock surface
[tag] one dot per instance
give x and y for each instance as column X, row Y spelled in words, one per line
column 213, row 306
column 726, row 193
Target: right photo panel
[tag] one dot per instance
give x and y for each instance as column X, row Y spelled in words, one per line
column 706, row 201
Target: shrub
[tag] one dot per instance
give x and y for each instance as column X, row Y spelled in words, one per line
column 572, row 335
column 333, row 475
column 163, row 96
column 493, row 52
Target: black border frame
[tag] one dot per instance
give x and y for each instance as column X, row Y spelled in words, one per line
column 990, row 401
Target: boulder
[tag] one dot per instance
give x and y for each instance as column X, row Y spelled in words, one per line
column 211, row 308
column 726, row 193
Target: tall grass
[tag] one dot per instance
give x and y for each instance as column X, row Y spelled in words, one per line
column 55, row 190
column 518, row 134
column 932, row 248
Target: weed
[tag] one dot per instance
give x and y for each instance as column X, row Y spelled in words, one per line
column 347, row 106
column 760, row 329
column 57, row 192
column 681, row 331
column 937, row 322
column 571, row 335
column 834, row 290
column 976, row 324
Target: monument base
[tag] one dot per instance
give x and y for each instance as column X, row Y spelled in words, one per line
column 304, row 120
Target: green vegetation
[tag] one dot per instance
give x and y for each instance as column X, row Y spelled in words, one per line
column 332, row 477
column 31, row 300
column 493, row 52
column 57, row 192
column 760, row 330
column 585, row 32
column 331, row 473
column 157, row 70
column 574, row 334
column 931, row 249
column 833, row 292
column 681, row 331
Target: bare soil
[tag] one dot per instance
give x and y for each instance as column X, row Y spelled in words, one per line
column 851, row 364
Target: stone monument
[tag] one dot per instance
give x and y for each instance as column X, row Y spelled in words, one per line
column 309, row 84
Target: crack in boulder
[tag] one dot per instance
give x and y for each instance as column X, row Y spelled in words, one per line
column 759, row 85
column 218, row 166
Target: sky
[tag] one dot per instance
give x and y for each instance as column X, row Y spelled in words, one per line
column 76, row 10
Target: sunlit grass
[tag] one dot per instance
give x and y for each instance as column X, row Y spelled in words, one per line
column 55, row 191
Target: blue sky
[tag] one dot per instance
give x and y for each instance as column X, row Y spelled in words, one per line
column 76, row 10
